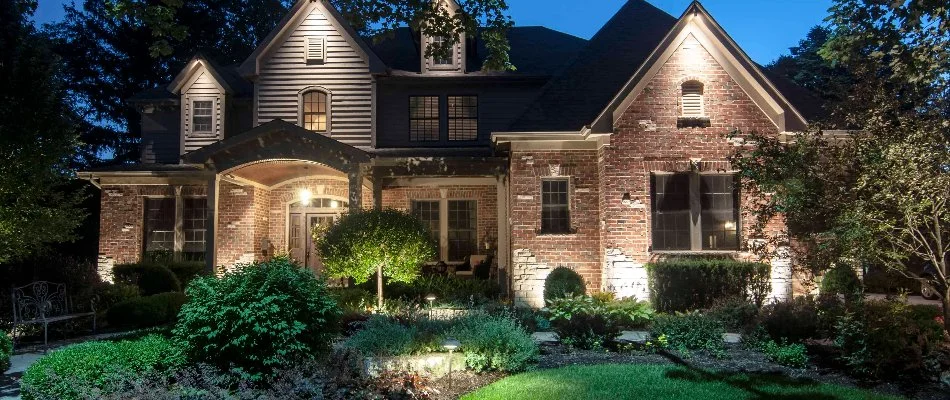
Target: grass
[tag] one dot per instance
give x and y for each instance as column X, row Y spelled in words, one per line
column 631, row 381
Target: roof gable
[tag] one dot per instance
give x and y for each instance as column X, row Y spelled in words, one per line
column 697, row 23
column 193, row 70
column 295, row 16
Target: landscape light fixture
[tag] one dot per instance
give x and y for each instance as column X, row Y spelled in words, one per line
column 430, row 298
column 450, row 344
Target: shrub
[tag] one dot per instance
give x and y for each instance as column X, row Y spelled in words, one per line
column 492, row 342
column 842, row 280
column 563, row 282
column 736, row 314
column 684, row 284
column 382, row 336
column 447, row 289
column 6, row 350
column 802, row 318
column 150, row 278
column 887, row 337
column 629, row 313
column 74, row 371
column 186, row 271
column 581, row 321
column 790, row 355
column 110, row 294
column 258, row 317
column 690, row 331
column 143, row 312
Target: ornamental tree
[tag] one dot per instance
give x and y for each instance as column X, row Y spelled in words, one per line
column 385, row 242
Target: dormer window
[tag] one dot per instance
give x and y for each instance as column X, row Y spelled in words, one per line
column 438, row 42
column 692, row 111
column 202, row 116
column 315, row 110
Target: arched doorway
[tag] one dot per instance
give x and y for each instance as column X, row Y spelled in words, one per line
column 303, row 218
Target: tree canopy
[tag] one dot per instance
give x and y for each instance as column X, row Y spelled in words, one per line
column 37, row 140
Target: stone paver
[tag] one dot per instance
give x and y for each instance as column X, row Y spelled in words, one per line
column 545, row 337
column 633, row 336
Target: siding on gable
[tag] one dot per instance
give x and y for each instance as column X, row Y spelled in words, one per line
column 203, row 88
column 344, row 73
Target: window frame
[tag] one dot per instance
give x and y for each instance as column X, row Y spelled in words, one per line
column 212, row 130
column 301, row 114
column 451, row 119
column 569, row 229
column 434, row 65
column 178, row 227
column 427, row 117
column 147, row 223
column 443, row 239
column 694, row 198
column 449, row 229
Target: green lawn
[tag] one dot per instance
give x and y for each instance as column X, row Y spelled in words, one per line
column 629, row 381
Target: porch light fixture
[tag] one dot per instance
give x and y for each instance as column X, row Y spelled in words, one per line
column 334, row 204
column 305, row 195
column 729, row 225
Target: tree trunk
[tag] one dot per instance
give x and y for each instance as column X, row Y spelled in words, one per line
column 379, row 287
column 946, row 308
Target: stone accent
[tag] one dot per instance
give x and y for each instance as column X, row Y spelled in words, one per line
column 625, row 277
column 104, row 268
column 545, row 338
column 781, row 276
column 435, row 365
column 633, row 337
column 527, row 279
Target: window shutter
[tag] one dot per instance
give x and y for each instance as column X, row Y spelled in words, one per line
column 692, row 99
column 314, row 48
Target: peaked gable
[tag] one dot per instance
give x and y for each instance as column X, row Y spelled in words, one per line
column 196, row 69
column 696, row 24
column 294, row 18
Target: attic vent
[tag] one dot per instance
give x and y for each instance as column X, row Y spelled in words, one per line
column 692, row 99
column 314, row 49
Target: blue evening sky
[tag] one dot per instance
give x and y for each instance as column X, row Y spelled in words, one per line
column 765, row 29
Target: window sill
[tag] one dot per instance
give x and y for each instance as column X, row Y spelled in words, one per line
column 692, row 122
column 571, row 232
column 694, row 252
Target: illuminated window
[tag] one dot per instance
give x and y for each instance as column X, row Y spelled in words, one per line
column 202, row 119
column 315, row 111
column 437, row 42
column 695, row 211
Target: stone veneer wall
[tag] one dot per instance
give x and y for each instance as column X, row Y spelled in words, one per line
column 121, row 221
column 534, row 254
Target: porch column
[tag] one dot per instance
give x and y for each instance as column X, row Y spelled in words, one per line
column 504, row 228
column 377, row 193
column 355, row 177
column 211, row 225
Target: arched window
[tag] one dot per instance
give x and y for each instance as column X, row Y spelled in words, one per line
column 692, row 99
column 315, row 111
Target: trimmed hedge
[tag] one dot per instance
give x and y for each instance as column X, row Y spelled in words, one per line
column 186, row 271
column 81, row 370
column 144, row 312
column 684, row 284
column 150, row 278
column 563, row 282
column 6, row 350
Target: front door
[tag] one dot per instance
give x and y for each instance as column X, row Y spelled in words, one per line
column 301, row 243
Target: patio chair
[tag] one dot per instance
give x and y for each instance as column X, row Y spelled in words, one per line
column 43, row 302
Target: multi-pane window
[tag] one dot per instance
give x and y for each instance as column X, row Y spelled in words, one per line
column 194, row 217
column 314, row 115
column 555, row 208
column 463, row 117
column 202, row 116
column 695, row 212
column 438, row 42
column 424, row 118
column 463, row 229
column 159, row 225
column 428, row 212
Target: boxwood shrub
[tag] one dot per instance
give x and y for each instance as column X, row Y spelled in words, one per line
column 79, row 371
column 494, row 342
column 685, row 284
column 143, row 312
column 258, row 317
column 150, row 278
column 563, row 282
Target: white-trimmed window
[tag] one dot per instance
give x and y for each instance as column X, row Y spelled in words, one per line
column 438, row 42
column 453, row 224
column 202, row 116
column 315, row 110
column 175, row 228
column 691, row 99
column 694, row 212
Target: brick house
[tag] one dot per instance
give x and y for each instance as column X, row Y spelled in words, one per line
column 597, row 155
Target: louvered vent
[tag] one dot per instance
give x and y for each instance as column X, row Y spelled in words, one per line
column 314, row 49
column 692, row 99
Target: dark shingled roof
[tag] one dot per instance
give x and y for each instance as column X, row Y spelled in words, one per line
column 535, row 50
column 573, row 99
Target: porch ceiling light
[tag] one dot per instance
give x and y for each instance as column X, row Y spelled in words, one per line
column 334, row 204
column 305, row 195
column 729, row 225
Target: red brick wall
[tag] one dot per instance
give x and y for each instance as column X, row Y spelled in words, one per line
column 486, row 198
column 536, row 254
column 121, row 220
column 240, row 210
column 283, row 195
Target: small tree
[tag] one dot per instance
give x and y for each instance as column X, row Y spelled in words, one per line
column 387, row 242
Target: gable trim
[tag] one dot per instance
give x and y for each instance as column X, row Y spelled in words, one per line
column 191, row 72
column 696, row 21
column 295, row 16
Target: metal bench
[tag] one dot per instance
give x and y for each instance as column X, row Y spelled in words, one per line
column 43, row 302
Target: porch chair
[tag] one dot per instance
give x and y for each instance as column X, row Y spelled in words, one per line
column 43, row 302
